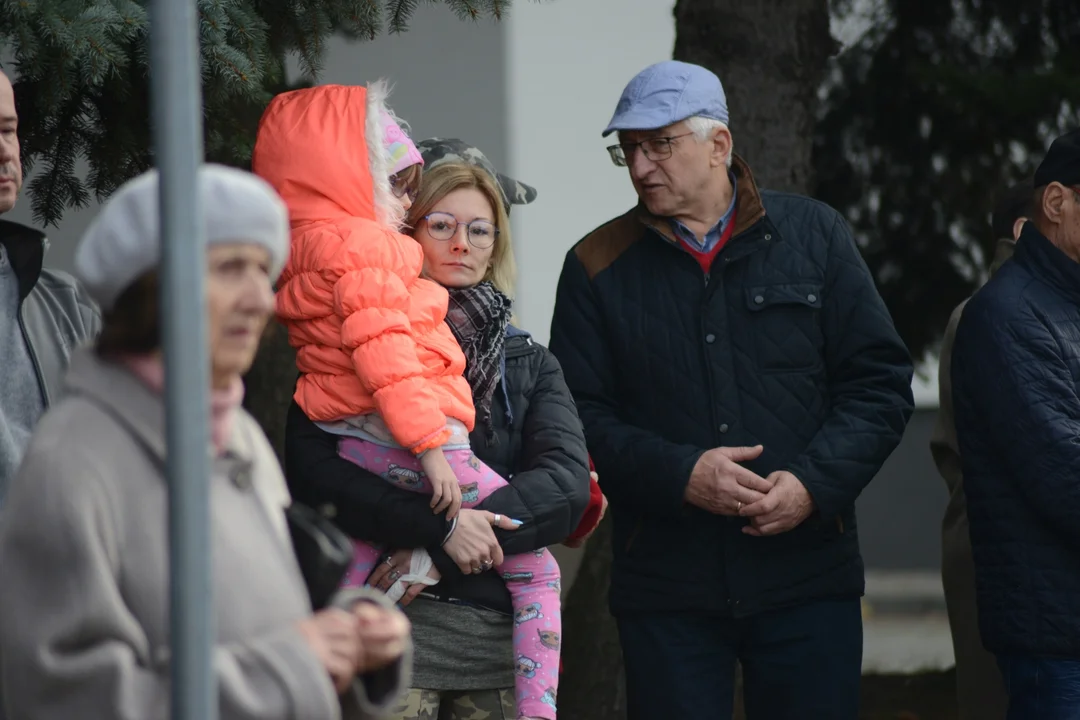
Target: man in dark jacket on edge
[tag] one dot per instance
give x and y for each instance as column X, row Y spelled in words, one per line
column 740, row 381
column 980, row 693
column 1016, row 395
column 44, row 314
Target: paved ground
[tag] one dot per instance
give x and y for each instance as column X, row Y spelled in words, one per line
column 905, row 626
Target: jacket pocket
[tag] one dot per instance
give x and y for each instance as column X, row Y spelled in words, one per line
column 786, row 324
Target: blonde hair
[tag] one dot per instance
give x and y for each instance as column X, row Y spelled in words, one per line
column 446, row 178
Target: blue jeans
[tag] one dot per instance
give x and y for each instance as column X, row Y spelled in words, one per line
column 1041, row 688
column 799, row 663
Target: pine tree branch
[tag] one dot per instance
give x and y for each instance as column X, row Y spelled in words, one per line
column 401, row 12
column 82, row 71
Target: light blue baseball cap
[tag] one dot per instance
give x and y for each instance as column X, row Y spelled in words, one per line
column 666, row 93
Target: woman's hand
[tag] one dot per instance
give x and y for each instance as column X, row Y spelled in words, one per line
column 445, row 489
column 398, row 564
column 472, row 544
column 333, row 635
column 384, row 635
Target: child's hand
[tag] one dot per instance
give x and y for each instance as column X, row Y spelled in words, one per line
column 445, row 489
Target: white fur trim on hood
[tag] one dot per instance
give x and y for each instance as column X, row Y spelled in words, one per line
column 389, row 209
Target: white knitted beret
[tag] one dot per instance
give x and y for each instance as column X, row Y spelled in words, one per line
column 124, row 240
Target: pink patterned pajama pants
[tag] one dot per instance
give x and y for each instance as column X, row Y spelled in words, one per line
column 532, row 578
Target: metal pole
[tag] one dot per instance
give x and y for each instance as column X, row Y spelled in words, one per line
column 178, row 147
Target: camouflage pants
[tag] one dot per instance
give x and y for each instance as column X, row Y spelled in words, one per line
column 420, row 704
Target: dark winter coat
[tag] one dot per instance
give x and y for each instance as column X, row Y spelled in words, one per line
column 785, row 342
column 1016, row 395
column 538, row 447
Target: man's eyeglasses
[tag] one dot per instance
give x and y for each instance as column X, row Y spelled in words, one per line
column 655, row 149
column 400, row 188
column 443, row 226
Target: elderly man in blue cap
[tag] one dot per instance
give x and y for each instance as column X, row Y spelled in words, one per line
column 740, row 382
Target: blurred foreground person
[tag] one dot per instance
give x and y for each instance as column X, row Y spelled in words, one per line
column 84, row 617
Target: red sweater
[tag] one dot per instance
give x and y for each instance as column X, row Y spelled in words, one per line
column 592, row 512
column 705, row 259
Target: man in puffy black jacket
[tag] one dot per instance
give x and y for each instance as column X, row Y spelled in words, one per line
column 740, row 381
column 1016, row 395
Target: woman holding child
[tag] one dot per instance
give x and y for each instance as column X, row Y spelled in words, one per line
column 419, row 404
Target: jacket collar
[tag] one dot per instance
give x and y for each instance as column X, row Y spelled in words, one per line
column 26, row 250
column 1047, row 262
column 1005, row 249
column 749, row 208
column 133, row 404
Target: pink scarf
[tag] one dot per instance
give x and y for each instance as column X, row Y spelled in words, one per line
column 150, row 369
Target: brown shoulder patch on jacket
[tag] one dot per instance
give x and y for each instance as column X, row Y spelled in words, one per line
column 605, row 244
column 748, row 206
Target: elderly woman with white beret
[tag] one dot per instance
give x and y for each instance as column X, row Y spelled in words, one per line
column 84, row 615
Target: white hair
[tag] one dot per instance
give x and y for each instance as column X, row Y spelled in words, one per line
column 703, row 129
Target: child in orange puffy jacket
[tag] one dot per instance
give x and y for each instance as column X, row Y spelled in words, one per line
column 379, row 366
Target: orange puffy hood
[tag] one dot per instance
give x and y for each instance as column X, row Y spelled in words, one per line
column 322, row 149
column 369, row 332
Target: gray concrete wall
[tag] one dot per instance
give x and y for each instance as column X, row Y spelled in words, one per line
column 900, row 512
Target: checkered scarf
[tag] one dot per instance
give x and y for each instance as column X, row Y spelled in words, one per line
column 478, row 317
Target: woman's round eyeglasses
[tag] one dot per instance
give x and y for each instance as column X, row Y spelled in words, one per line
column 443, row 226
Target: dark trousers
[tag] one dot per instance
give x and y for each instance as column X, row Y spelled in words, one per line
column 798, row 663
column 1041, row 688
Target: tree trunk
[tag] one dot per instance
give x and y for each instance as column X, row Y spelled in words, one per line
column 771, row 57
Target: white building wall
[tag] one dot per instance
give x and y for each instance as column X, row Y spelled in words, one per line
column 568, row 62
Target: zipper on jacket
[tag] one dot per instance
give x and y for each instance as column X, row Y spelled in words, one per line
column 33, row 359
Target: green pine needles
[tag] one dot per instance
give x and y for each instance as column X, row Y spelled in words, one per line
column 82, row 78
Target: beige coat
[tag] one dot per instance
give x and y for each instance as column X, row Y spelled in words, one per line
column 84, row 614
column 943, row 444
column 980, row 690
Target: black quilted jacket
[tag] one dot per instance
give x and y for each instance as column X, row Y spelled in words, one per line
column 539, row 448
column 1016, row 393
column 785, row 343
